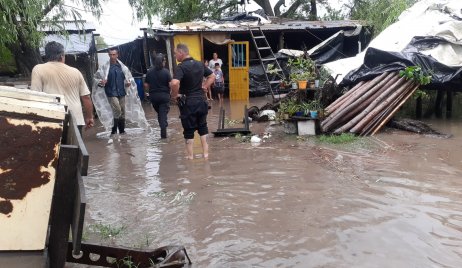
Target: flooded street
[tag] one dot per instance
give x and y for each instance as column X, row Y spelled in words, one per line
column 392, row 200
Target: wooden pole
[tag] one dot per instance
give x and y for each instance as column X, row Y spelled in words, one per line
column 340, row 113
column 378, row 119
column 418, row 108
column 372, row 109
column 338, row 101
column 413, row 89
column 449, row 103
column 367, row 99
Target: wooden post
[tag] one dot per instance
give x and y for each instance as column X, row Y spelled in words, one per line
column 418, row 108
column 62, row 206
column 449, row 103
column 439, row 103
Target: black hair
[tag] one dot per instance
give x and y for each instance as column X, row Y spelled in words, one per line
column 159, row 62
column 217, row 64
column 54, row 51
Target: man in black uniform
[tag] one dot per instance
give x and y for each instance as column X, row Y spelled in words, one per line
column 187, row 81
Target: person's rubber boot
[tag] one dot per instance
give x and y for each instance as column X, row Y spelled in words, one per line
column 114, row 127
column 121, row 126
column 163, row 133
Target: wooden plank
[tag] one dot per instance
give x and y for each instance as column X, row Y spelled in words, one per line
column 30, row 95
column 75, row 138
column 78, row 215
column 61, row 211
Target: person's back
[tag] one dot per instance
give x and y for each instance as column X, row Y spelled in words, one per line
column 158, row 81
column 59, row 78
column 192, row 78
column 56, row 77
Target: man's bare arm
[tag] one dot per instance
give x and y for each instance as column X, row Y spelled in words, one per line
column 209, row 81
column 88, row 110
column 175, row 88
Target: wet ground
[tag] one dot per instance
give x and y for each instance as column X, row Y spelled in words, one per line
column 392, row 200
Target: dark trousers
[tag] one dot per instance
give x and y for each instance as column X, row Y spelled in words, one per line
column 161, row 104
column 193, row 117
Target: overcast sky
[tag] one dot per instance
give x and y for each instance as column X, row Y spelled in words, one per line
column 116, row 25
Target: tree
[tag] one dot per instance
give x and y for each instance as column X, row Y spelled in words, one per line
column 20, row 20
column 189, row 10
column 378, row 13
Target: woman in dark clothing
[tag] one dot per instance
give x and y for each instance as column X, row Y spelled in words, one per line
column 157, row 81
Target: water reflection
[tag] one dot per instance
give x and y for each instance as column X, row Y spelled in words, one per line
column 388, row 201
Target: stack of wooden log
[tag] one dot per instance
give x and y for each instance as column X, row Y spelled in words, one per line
column 369, row 105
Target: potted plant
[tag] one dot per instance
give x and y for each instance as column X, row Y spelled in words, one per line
column 314, row 108
column 291, row 107
column 302, row 70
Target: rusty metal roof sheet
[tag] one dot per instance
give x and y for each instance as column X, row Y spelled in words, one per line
column 203, row 26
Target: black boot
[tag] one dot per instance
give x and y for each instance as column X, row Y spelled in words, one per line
column 114, row 127
column 163, row 133
column 121, row 125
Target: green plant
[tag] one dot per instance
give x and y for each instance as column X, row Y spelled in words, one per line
column 323, row 76
column 417, row 74
column 272, row 70
column 338, row 139
column 420, row 94
column 242, row 138
column 107, row 231
column 301, row 69
column 289, row 106
column 315, row 105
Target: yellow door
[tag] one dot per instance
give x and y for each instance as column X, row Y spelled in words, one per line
column 238, row 55
column 193, row 41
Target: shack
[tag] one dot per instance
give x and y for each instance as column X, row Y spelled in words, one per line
column 232, row 40
column 78, row 39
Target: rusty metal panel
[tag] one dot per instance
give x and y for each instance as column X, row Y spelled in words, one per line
column 31, row 134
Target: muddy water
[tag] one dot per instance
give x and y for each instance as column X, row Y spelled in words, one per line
column 393, row 200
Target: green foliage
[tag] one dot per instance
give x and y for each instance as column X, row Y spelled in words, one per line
column 289, row 106
column 100, row 43
column 183, row 10
column 107, row 231
column 301, row 69
column 420, row 94
column 417, row 74
column 21, row 19
column 323, row 76
column 242, row 138
column 7, row 63
column 338, row 139
column 379, row 13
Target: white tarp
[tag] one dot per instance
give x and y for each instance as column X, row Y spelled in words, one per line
column 440, row 18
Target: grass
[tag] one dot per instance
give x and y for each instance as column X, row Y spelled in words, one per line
column 241, row 138
column 338, row 139
column 107, row 231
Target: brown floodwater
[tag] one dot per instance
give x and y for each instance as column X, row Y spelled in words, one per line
column 392, row 200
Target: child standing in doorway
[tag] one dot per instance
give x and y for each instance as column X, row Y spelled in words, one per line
column 219, row 85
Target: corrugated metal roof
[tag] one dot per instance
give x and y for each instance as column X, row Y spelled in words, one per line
column 73, row 44
column 79, row 25
column 243, row 26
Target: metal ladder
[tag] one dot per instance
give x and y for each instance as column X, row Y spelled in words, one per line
column 261, row 44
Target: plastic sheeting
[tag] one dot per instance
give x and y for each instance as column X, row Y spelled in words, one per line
column 377, row 62
column 257, row 81
column 133, row 110
column 428, row 34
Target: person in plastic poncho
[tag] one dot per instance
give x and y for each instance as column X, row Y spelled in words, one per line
column 115, row 95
